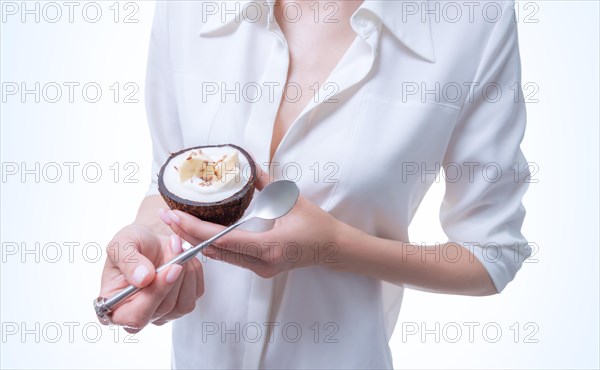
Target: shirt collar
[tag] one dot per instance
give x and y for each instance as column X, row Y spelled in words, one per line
column 404, row 20
column 400, row 17
column 222, row 17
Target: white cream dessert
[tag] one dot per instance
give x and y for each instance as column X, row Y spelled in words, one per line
column 214, row 183
column 206, row 175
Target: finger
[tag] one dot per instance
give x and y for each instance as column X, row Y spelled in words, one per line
column 168, row 305
column 193, row 272
column 170, row 301
column 190, row 227
column 138, row 312
column 262, row 178
column 256, row 265
column 124, row 254
column 160, row 322
column 192, row 239
column 232, row 257
column 172, row 220
column 199, row 277
column 186, row 300
column 143, row 306
column 263, row 251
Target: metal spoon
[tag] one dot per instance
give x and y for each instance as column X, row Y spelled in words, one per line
column 273, row 202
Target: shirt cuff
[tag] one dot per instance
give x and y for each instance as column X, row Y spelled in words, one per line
column 501, row 261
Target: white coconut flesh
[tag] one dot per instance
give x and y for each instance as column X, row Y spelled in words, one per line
column 206, row 175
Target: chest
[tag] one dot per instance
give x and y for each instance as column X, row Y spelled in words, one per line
column 368, row 131
column 312, row 58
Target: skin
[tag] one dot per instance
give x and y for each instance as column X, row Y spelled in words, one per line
column 312, row 54
column 150, row 242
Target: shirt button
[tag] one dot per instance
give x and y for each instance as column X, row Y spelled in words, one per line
column 364, row 26
column 361, row 22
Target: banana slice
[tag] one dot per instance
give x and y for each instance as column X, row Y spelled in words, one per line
column 226, row 166
column 198, row 164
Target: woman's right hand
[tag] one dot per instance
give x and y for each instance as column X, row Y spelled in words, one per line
column 132, row 256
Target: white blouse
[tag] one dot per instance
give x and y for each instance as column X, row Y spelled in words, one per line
column 416, row 93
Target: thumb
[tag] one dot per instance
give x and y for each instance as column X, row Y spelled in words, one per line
column 262, row 178
column 126, row 256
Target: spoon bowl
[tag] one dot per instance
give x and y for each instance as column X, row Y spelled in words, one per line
column 275, row 200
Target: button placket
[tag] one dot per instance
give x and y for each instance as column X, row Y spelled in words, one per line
column 259, row 130
column 257, row 138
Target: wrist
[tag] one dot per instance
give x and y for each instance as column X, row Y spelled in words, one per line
column 346, row 239
column 147, row 215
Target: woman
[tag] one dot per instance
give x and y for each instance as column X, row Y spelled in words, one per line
column 362, row 104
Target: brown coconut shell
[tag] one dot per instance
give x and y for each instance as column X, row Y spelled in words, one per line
column 224, row 212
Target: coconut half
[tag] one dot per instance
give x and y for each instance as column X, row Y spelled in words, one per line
column 214, row 183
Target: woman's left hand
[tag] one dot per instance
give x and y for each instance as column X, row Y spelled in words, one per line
column 305, row 236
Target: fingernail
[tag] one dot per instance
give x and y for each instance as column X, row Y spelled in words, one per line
column 173, row 273
column 131, row 329
column 140, row 273
column 173, row 217
column 163, row 216
column 176, row 244
column 209, row 251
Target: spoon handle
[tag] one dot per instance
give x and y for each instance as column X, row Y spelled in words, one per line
column 104, row 306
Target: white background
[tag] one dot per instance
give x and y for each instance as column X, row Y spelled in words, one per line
column 548, row 317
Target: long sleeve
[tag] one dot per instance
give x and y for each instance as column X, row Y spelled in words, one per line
column 487, row 175
column 161, row 109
